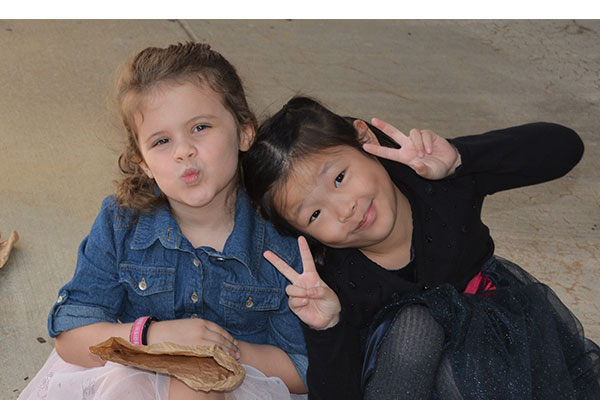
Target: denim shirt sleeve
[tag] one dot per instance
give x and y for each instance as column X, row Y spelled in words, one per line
column 285, row 329
column 94, row 293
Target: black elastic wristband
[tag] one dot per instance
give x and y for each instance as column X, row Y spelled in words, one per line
column 145, row 330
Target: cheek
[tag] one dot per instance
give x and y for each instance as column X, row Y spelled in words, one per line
column 158, row 164
column 329, row 233
column 226, row 150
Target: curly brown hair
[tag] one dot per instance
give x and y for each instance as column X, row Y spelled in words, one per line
column 176, row 64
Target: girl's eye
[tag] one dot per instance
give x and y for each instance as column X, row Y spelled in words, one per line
column 314, row 216
column 199, row 127
column 161, row 141
column 339, row 179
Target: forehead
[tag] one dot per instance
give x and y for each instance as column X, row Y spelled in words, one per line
column 163, row 94
column 170, row 103
column 173, row 92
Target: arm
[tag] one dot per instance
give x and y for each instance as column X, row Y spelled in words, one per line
column 73, row 345
column 89, row 306
column 86, row 311
column 518, row 156
column 334, row 362
column 272, row 361
column 333, row 346
column 497, row 160
column 285, row 332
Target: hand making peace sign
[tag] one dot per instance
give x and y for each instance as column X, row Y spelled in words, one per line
column 310, row 298
column 428, row 154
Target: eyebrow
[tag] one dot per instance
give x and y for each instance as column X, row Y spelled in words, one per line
column 326, row 167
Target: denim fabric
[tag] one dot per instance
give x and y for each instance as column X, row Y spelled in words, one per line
column 127, row 269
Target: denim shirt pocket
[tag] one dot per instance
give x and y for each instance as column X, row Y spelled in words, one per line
column 150, row 290
column 247, row 308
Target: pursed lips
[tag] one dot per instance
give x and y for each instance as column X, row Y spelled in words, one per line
column 190, row 175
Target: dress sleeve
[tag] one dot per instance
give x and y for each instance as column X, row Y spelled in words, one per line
column 334, row 362
column 94, row 293
column 518, row 156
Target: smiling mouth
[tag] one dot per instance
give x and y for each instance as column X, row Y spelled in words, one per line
column 190, row 175
column 367, row 218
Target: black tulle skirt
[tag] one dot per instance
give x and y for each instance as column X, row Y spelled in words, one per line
column 518, row 341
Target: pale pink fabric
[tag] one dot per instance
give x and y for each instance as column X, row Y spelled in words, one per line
column 58, row 380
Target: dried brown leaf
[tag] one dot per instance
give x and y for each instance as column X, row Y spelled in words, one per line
column 6, row 246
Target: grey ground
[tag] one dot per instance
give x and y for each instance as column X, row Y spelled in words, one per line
column 59, row 138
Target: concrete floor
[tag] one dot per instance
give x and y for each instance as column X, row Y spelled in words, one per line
column 59, row 139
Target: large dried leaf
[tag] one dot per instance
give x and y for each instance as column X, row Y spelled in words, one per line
column 6, row 247
column 200, row 367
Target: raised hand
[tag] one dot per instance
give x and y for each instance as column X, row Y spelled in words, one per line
column 428, row 154
column 309, row 297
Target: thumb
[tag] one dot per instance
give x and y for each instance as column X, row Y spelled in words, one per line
column 420, row 168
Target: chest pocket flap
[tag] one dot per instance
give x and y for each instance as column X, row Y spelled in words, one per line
column 250, row 298
column 146, row 281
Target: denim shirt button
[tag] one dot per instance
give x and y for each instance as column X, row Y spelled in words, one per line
column 194, row 316
column 196, row 262
column 220, row 259
column 194, row 297
column 60, row 299
column 142, row 285
column 249, row 302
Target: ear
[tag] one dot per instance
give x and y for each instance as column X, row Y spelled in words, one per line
column 247, row 134
column 147, row 171
column 364, row 133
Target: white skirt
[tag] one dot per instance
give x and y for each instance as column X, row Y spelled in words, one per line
column 58, row 380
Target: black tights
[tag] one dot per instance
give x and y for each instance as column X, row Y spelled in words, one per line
column 410, row 361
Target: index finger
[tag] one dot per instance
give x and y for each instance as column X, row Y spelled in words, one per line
column 390, row 130
column 281, row 266
column 382, row 151
column 308, row 263
column 218, row 329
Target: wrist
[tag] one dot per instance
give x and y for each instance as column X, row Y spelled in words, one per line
column 139, row 330
column 334, row 321
column 457, row 162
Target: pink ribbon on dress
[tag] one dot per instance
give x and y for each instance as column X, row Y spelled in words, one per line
column 479, row 283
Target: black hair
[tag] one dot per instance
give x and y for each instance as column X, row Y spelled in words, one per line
column 302, row 127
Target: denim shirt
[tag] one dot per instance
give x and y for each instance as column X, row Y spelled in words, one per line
column 127, row 269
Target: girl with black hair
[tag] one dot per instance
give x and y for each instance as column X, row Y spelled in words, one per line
column 401, row 294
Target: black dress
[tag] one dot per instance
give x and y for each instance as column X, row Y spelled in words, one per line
column 516, row 342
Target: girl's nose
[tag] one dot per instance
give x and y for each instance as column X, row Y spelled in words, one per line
column 184, row 150
column 346, row 209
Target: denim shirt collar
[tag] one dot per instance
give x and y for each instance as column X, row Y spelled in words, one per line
column 245, row 243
